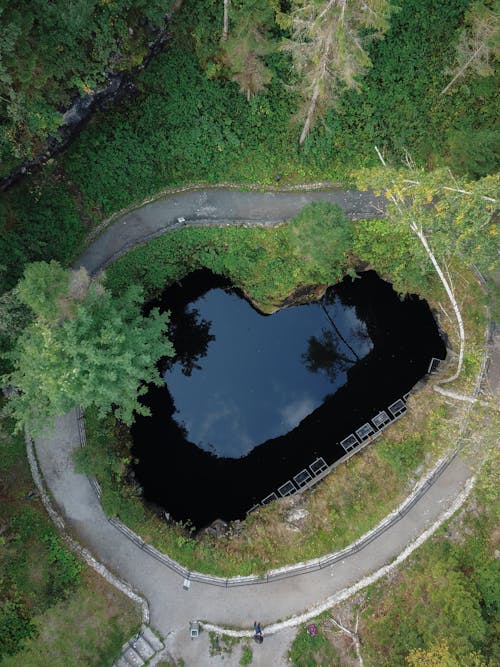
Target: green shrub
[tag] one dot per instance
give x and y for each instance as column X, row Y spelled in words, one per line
column 404, row 456
column 15, row 621
column 246, row 656
column 65, row 569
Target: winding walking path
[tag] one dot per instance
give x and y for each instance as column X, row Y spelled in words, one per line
column 171, row 606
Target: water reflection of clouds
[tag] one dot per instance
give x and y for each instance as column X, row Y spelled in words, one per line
column 357, row 333
column 256, row 383
column 293, row 413
column 222, row 417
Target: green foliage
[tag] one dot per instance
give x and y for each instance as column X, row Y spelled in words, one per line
column 50, row 51
column 268, row 264
column 87, row 348
column 456, row 216
column 66, row 569
column 310, row 651
column 106, row 456
column 321, row 236
column 88, row 628
column 439, row 656
column 15, row 621
column 183, row 127
column 14, row 318
column 475, row 152
column 449, row 595
column 327, row 45
column 36, row 569
column 403, row 456
column 38, row 221
column 42, row 288
column 395, row 254
column 53, row 611
column 246, row 656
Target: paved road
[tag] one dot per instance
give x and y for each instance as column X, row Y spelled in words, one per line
column 171, row 607
column 217, row 206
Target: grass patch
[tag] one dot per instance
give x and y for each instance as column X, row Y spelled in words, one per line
column 53, row 609
column 246, row 656
column 310, row 651
column 88, row 628
column 222, row 645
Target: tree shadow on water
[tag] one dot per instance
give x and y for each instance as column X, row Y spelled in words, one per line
column 323, row 356
column 191, row 337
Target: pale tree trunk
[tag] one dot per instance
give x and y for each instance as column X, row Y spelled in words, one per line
column 451, row 296
column 323, row 71
column 461, row 71
column 310, row 114
column 225, row 29
column 449, row 291
column 353, row 634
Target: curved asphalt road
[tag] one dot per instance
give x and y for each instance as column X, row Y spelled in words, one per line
column 171, row 607
column 217, row 206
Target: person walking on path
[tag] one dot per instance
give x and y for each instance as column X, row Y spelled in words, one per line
column 258, row 637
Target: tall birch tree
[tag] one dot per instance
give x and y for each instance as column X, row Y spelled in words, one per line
column 328, row 48
column 449, row 217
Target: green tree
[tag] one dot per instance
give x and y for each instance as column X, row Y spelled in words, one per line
column 247, row 43
column 321, row 236
column 85, row 347
column 448, row 218
column 456, row 215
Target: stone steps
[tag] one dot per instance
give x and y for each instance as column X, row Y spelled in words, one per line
column 139, row 649
column 152, row 639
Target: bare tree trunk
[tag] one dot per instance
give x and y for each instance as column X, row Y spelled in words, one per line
column 451, row 296
column 461, row 332
column 462, row 69
column 323, row 70
column 225, row 29
column 310, row 114
column 353, row 635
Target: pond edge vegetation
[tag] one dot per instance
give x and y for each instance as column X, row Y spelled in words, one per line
column 183, row 546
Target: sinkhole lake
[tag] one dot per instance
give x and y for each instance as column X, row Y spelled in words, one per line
column 250, row 400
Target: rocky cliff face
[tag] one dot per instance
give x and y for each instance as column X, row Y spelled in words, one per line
column 118, row 84
column 301, row 295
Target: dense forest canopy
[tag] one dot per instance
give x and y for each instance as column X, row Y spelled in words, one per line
column 53, row 50
column 50, row 52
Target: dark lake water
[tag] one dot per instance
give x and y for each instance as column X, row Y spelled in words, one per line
column 250, row 400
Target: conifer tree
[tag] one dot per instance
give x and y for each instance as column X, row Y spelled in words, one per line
column 85, row 347
column 479, row 42
column 328, row 48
